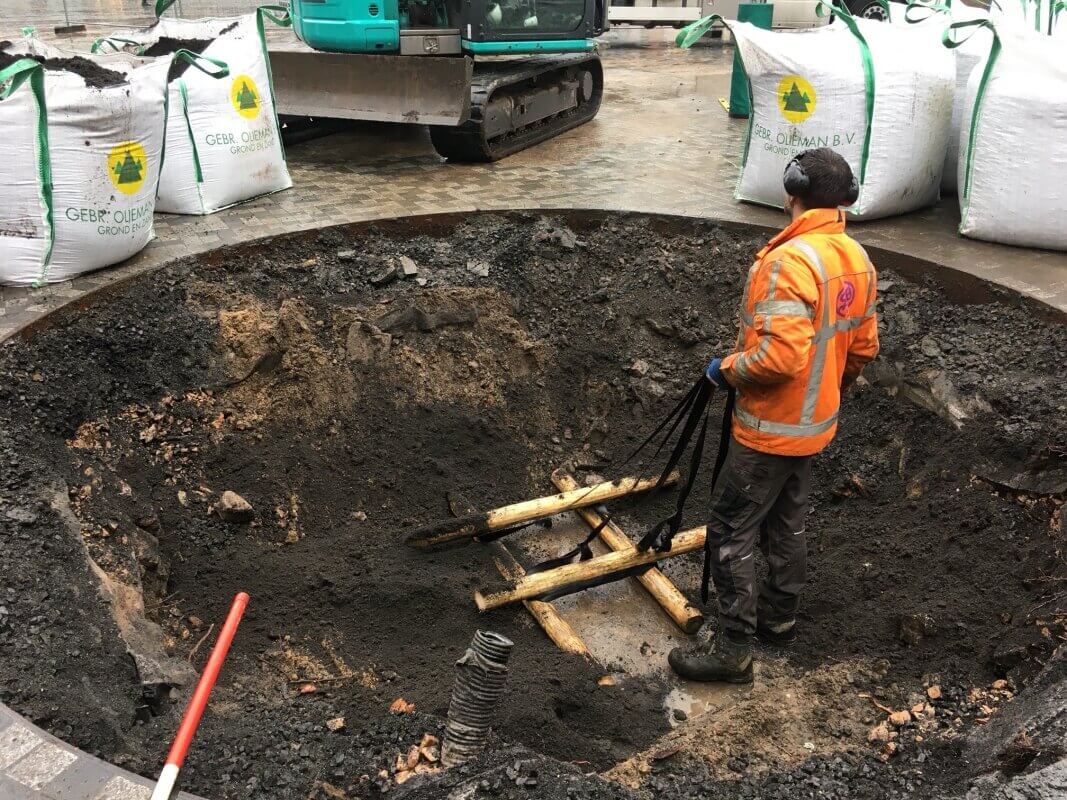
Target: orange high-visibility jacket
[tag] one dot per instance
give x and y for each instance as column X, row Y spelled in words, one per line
column 808, row 322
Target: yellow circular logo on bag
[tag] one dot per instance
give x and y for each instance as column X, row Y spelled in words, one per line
column 127, row 166
column 244, row 94
column 796, row 98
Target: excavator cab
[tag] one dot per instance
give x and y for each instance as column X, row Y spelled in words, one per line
column 481, row 27
column 552, row 83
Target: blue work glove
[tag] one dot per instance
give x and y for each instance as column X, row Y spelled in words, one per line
column 714, row 374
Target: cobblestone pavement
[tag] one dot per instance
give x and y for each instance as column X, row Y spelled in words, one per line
column 36, row 766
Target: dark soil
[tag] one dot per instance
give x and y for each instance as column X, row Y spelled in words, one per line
column 166, row 45
column 94, row 75
column 264, row 370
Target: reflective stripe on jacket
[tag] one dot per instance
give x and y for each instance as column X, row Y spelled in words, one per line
column 807, row 321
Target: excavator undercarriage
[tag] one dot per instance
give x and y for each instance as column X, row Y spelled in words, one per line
column 477, row 111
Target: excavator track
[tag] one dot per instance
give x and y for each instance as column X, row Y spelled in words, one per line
column 517, row 104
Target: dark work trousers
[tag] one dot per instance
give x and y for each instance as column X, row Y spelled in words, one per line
column 758, row 498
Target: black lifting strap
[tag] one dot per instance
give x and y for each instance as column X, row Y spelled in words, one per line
column 662, row 533
column 689, row 413
column 582, row 551
column 720, row 459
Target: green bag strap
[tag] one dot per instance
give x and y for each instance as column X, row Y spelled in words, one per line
column 162, row 6
column 951, row 40
column 1054, row 13
column 913, row 13
column 110, row 41
column 279, row 15
column 11, row 78
column 221, row 71
column 694, row 31
column 822, row 9
column 189, row 130
column 194, row 59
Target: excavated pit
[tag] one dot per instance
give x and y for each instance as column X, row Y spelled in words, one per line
column 348, row 402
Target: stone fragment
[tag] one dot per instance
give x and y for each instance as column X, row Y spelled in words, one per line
column 879, row 733
column 639, row 368
column 387, row 275
column 235, row 509
column 915, row 627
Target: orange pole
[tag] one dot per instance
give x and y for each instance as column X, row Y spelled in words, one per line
column 191, row 720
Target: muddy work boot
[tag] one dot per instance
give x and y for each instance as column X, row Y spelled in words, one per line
column 777, row 633
column 724, row 660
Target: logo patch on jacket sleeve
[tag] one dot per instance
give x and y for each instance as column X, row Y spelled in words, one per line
column 845, row 297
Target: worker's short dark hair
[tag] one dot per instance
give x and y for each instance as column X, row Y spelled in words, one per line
column 821, row 178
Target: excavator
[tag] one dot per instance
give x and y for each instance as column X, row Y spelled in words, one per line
column 489, row 77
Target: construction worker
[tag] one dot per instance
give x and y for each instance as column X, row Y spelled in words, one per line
column 808, row 327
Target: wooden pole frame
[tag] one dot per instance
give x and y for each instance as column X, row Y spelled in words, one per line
column 539, row 584
column 547, row 617
column 455, row 529
column 684, row 614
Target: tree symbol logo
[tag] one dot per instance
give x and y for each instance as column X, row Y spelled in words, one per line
column 244, row 94
column 127, row 166
column 796, row 99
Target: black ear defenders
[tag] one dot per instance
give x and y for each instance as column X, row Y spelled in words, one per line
column 797, row 183
column 853, row 191
column 796, row 180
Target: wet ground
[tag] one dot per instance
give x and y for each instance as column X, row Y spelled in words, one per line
column 276, row 373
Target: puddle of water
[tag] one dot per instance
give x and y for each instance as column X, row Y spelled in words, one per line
column 688, row 700
column 624, row 628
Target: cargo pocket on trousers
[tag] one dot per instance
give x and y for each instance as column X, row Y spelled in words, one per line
column 739, row 502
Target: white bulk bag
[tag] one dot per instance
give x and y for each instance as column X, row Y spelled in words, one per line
column 223, row 142
column 968, row 56
column 880, row 95
column 1032, row 15
column 1013, row 171
column 79, row 167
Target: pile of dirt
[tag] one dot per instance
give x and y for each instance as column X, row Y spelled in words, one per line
column 347, row 383
column 94, row 75
column 166, row 45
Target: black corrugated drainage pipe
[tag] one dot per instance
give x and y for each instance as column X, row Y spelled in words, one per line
column 480, row 677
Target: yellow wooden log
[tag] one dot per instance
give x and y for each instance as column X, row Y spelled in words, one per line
column 454, row 529
column 541, row 583
column 685, row 615
column 555, row 627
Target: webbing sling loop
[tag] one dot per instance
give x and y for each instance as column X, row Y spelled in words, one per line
column 689, row 413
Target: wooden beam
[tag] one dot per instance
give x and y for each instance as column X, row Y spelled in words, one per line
column 540, row 583
column 685, row 615
column 454, row 529
column 555, row 627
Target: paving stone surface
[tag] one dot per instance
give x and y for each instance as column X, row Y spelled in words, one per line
column 34, row 765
